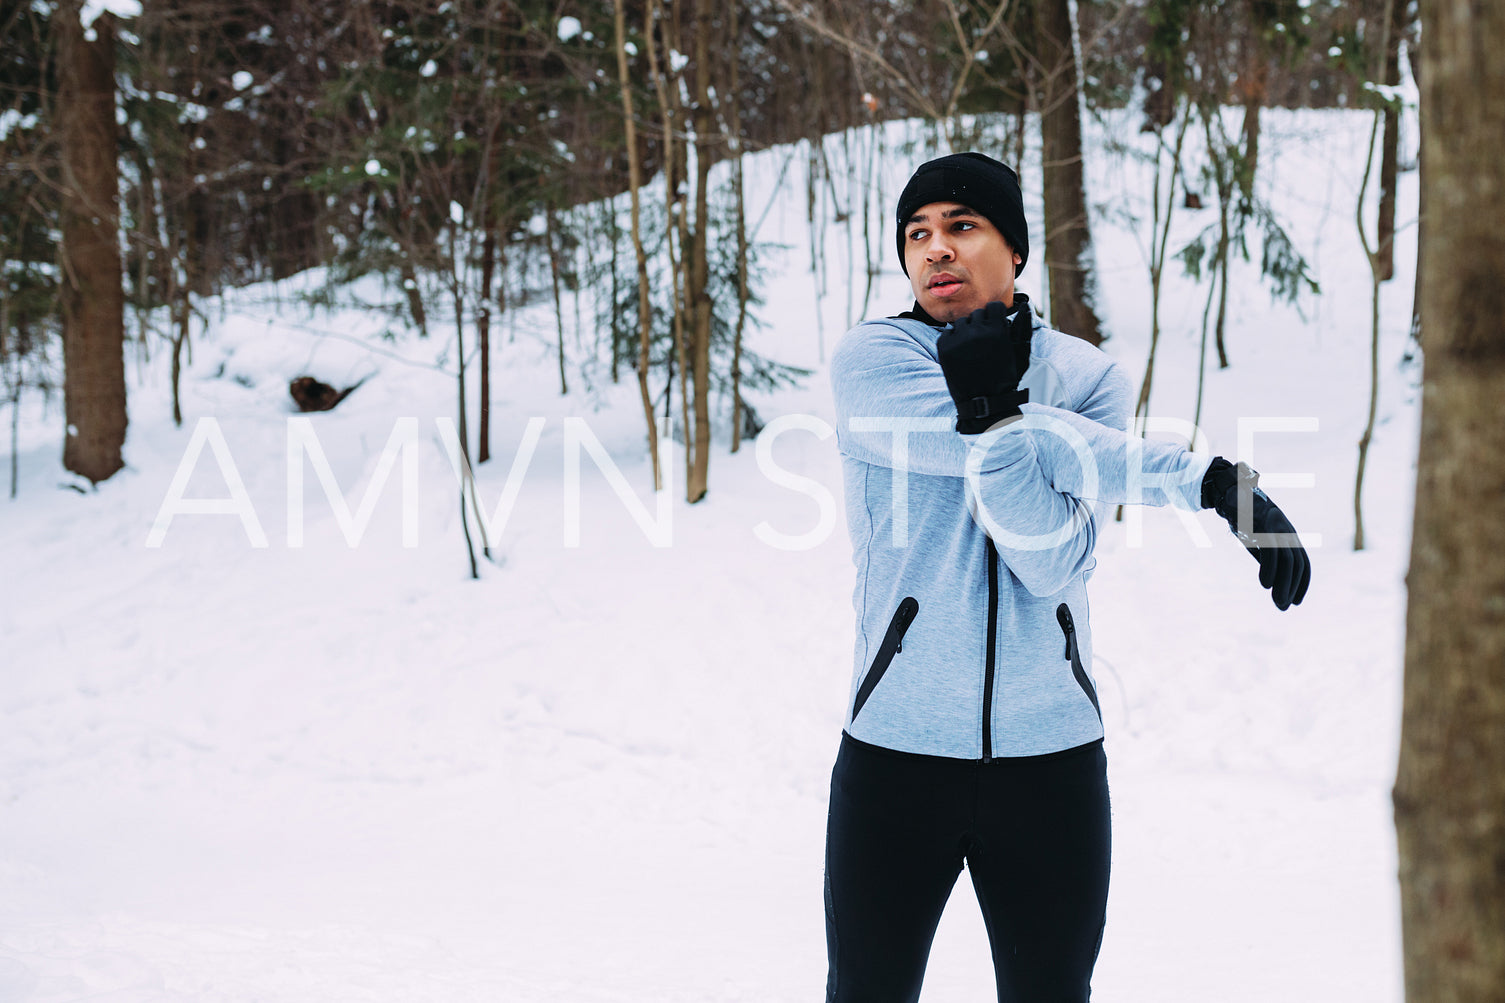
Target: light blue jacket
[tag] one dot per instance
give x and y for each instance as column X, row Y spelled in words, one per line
column 936, row 592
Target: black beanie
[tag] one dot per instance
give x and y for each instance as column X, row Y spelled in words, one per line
column 976, row 181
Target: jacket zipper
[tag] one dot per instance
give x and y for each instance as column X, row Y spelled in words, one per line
column 1073, row 655
column 893, row 643
column 987, row 676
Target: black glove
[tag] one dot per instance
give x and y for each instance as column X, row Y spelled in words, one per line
column 983, row 355
column 1234, row 493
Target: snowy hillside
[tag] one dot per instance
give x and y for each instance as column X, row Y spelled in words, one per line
column 318, row 772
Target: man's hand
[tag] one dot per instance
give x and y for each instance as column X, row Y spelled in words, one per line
column 1233, row 492
column 983, row 355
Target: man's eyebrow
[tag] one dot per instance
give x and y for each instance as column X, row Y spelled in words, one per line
column 959, row 211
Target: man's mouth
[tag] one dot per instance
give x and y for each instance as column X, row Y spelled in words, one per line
column 944, row 285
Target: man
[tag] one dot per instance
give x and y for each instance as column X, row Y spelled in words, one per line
column 975, row 443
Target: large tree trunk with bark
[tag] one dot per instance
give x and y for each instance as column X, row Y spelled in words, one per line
column 92, row 298
column 1450, row 790
column 1068, row 239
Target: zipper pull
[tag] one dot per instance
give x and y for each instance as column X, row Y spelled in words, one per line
column 1063, row 616
column 903, row 616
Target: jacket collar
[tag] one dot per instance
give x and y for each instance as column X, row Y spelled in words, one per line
column 918, row 313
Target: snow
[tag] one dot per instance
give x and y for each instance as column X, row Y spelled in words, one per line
column 568, row 28
column 1390, row 93
column 10, row 120
column 311, row 771
column 91, row 10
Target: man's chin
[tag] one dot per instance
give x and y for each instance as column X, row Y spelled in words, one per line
column 945, row 311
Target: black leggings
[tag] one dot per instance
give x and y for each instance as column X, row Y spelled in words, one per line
column 1035, row 834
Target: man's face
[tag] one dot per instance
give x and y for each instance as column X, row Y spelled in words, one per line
column 957, row 260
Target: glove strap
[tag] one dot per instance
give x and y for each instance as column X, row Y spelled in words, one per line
column 994, row 406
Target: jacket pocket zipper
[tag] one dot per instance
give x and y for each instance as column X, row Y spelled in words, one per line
column 893, row 643
column 1073, row 654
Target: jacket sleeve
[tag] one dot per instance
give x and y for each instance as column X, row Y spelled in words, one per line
column 1090, row 453
column 1029, row 484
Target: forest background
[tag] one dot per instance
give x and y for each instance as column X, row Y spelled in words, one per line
column 154, row 160
column 442, row 165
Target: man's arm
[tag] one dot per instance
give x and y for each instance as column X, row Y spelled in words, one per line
column 894, row 410
column 1114, row 467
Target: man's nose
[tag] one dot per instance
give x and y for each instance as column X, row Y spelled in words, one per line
column 938, row 248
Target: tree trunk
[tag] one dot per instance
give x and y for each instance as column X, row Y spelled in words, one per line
column 1160, row 232
column 15, row 430
column 614, row 317
column 1389, row 149
column 295, row 214
column 739, row 197
column 1254, row 92
column 1450, row 787
column 1367, row 437
column 182, row 309
column 414, row 295
column 14, row 385
column 483, row 331
column 549, row 228
column 1386, row 230
column 467, row 482
column 147, row 228
column 667, row 81
column 872, row 188
column 1226, row 169
column 406, row 269
column 206, row 237
column 92, row 298
column 1222, row 263
column 1068, row 238
column 1421, row 205
column 295, row 217
column 635, row 182
column 1250, row 165
column 698, row 297
column 1162, row 211
column 1375, row 255
column 816, row 230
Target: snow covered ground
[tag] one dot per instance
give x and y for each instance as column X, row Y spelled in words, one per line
column 324, row 772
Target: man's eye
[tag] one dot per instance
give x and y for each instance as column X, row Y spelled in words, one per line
column 916, row 234
column 965, row 225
